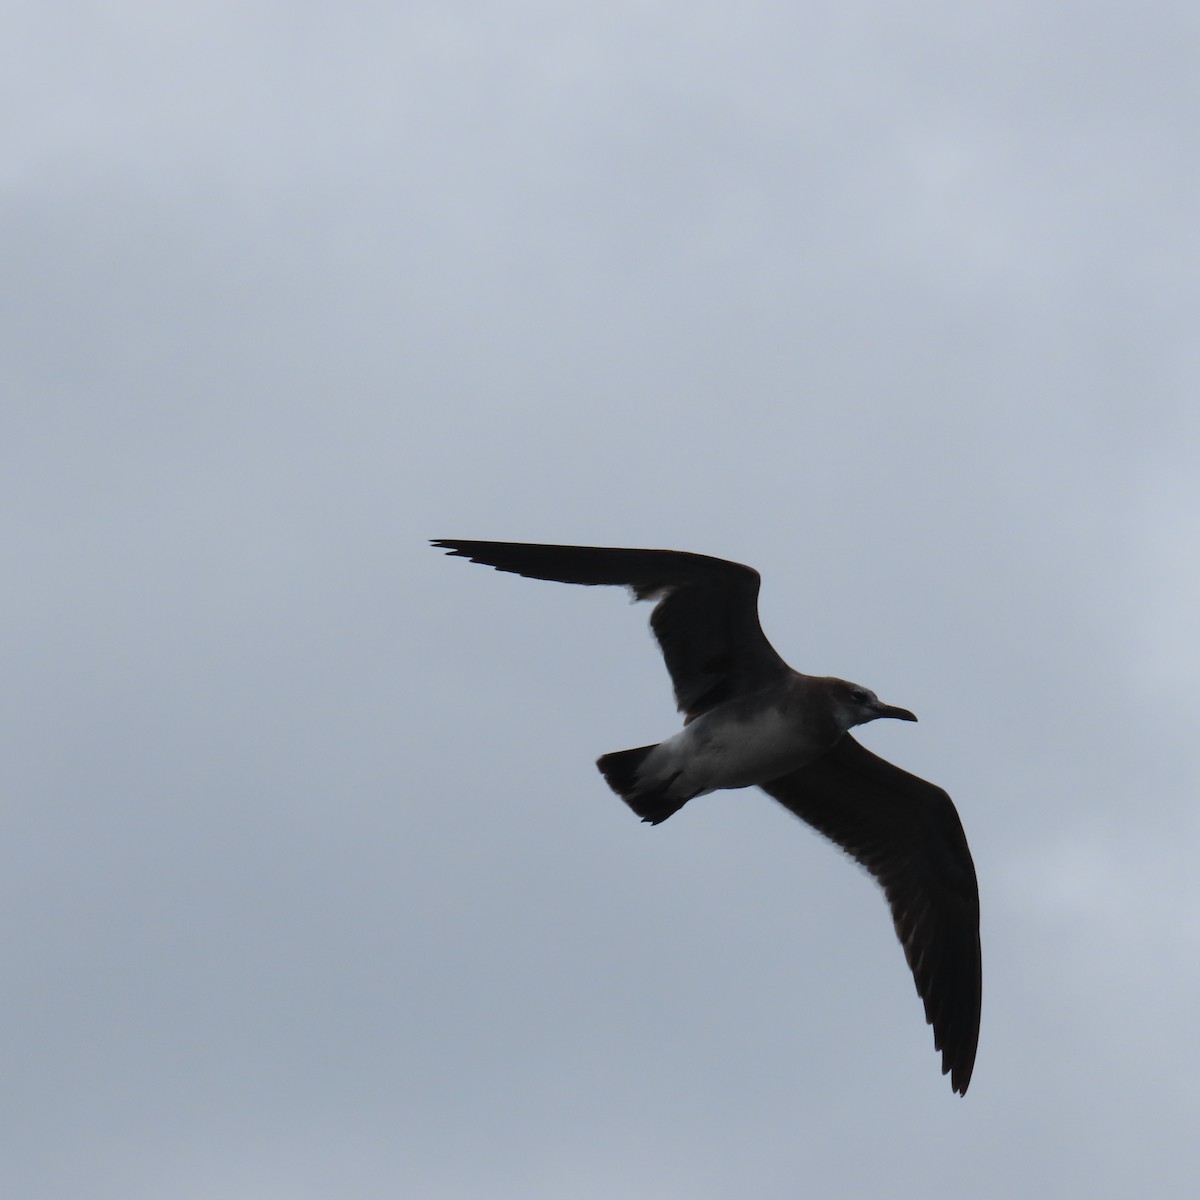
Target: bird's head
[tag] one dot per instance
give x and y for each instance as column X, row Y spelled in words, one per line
column 854, row 704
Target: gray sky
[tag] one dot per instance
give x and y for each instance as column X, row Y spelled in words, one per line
column 308, row 884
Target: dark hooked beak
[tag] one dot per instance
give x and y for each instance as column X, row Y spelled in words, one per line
column 901, row 714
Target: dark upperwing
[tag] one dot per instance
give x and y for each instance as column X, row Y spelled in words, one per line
column 706, row 618
column 907, row 833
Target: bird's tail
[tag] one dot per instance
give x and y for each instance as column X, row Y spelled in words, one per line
column 648, row 798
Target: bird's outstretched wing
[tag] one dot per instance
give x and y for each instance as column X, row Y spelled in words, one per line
column 706, row 618
column 907, row 833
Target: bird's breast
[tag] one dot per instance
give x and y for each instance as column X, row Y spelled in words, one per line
column 737, row 746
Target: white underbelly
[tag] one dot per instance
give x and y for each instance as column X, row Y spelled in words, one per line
column 718, row 750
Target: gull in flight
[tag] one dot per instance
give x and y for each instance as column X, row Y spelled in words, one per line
column 749, row 719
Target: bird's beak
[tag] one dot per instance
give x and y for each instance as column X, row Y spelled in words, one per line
column 901, row 714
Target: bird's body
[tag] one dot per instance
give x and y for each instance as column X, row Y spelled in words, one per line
column 747, row 740
column 743, row 741
column 750, row 719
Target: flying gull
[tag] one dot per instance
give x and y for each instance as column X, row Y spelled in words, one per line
column 749, row 719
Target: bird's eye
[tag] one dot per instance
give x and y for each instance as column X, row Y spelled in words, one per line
column 858, row 696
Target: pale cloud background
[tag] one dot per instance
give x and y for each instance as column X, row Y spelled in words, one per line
column 309, row 886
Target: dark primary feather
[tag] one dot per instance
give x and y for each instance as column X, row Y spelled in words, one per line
column 706, row 618
column 907, row 833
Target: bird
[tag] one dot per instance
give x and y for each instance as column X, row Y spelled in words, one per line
column 751, row 720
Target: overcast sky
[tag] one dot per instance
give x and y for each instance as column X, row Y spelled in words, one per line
column 308, row 884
